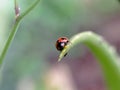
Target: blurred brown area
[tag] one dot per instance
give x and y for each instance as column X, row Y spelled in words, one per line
column 86, row 72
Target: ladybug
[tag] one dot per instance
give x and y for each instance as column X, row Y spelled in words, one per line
column 61, row 43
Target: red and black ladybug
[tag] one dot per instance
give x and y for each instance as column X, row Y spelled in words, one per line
column 61, row 43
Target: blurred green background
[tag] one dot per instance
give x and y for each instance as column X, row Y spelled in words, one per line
column 31, row 61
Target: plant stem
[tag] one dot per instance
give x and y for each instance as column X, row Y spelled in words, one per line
column 14, row 30
column 11, row 36
column 29, row 9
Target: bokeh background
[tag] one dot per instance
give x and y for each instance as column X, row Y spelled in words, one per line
column 31, row 61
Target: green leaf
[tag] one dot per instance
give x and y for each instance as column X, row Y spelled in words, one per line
column 105, row 54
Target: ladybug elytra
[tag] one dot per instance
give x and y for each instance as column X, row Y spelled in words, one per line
column 61, row 43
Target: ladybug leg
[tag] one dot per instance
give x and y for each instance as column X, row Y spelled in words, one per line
column 65, row 54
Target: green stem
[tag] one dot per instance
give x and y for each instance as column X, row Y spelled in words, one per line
column 105, row 54
column 14, row 30
column 29, row 9
column 11, row 36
